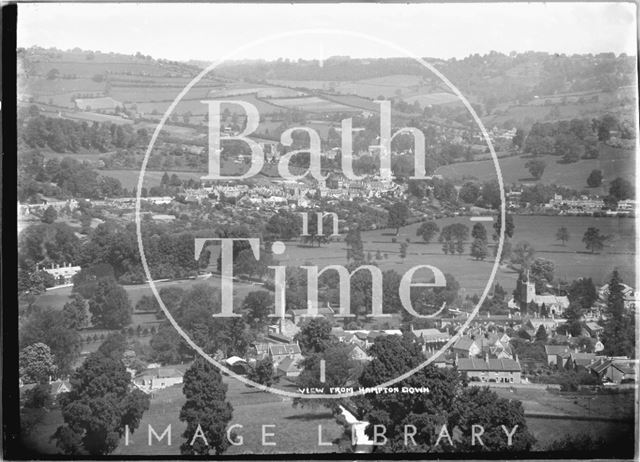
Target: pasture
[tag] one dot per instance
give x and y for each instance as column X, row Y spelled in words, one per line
column 572, row 261
column 295, row 431
column 613, row 163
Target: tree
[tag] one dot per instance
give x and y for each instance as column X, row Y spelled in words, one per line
column 542, row 271
column 75, row 313
column 37, row 364
column 110, row 306
column 482, row 406
column 594, row 179
column 562, row 235
column 479, row 232
column 491, row 194
column 541, row 334
column 583, row 291
column 453, row 237
column 167, row 346
column 355, row 248
column 263, row 373
column 518, row 139
column 45, row 325
column 573, row 316
column 523, row 254
column 99, row 406
column 427, row 230
column 398, row 215
column 536, row 168
column 314, row 335
column 206, row 410
column 621, row 189
column 479, row 249
column 509, row 226
column 469, row 193
column 593, row 240
column 618, row 335
column 403, row 250
column 257, row 308
column 49, row 215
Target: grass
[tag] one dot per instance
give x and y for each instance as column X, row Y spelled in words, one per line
column 613, row 163
column 571, row 261
column 296, row 429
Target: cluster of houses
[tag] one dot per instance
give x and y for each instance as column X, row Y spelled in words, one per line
column 587, row 205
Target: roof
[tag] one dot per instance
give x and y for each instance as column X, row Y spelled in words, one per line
column 582, row 359
column 288, row 365
column 161, row 372
column 593, row 326
column 463, row 343
column 493, row 365
column 280, row 350
column 555, row 349
column 234, row 360
column 431, row 335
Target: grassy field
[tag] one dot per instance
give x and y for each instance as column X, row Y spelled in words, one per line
column 612, row 162
column 546, row 430
column 58, row 297
column 296, row 429
column 572, row 261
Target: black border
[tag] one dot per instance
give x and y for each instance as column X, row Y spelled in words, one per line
column 12, row 448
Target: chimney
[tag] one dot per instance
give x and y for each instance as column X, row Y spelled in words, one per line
column 517, row 360
column 411, row 327
column 486, row 357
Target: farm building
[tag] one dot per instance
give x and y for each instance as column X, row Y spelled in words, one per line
column 491, row 370
column 237, row 365
column 105, row 103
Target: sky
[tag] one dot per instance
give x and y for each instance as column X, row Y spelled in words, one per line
column 210, row 32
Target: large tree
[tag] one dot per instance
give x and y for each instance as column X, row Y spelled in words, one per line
column 562, row 235
column 37, row 364
column 593, row 239
column 257, row 306
column 263, row 372
column 398, row 215
column 618, row 336
column 427, row 230
column 109, row 305
column 206, row 410
column 314, row 335
column 99, row 407
column 536, row 168
column 621, row 189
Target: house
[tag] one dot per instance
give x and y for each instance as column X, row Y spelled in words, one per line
column 466, row 347
column 158, row 378
column 358, row 353
column 630, row 296
column 237, row 365
column 59, row 386
column 285, row 327
column 614, row 370
column 63, row 275
column 491, row 370
column 553, row 352
column 300, row 315
column 289, row 367
column 580, row 360
column 279, row 353
column 430, row 337
column 594, row 329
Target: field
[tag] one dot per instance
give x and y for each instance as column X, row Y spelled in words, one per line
column 613, row 163
column 296, row 429
column 311, row 104
column 58, row 297
column 546, row 430
column 572, row 261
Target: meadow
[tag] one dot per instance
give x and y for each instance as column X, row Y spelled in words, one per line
column 613, row 163
column 572, row 261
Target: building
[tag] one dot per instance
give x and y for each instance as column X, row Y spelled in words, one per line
column 64, row 274
column 466, row 347
column 158, row 378
column 289, row 367
column 614, row 370
column 491, row 370
column 554, row 304
column 554, row 354
column 630, row 295
column 357, row 353
column 279, row 353
column 430, row 338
